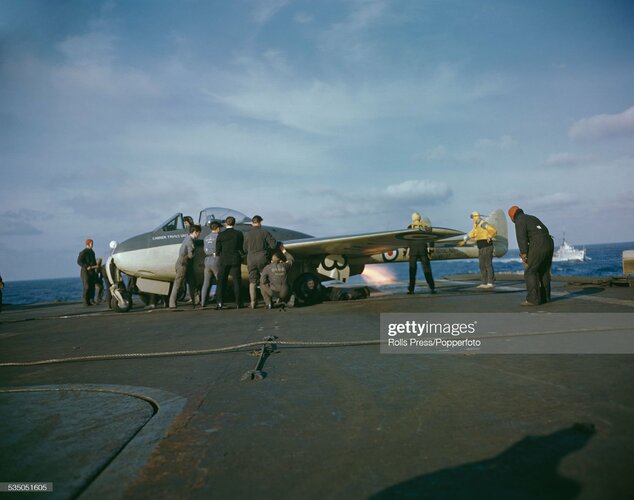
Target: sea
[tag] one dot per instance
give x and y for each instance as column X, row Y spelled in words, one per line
column 603, row 260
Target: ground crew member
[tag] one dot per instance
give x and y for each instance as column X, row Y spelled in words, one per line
column 274, row 279
column 419, row 250
column 86, row 260
column 99, row 277
column 483, row 233
column 229, row 247
column 536, row 250
column 212, row 261
column 185, row 267
column 106, row 282
column 258, row 243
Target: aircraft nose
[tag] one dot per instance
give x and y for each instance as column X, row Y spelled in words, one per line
column 134, row 243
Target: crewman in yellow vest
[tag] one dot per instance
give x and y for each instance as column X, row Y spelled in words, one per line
column 483, row 233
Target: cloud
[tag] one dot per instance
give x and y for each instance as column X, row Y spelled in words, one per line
column 365, row 13
column 91, row 66
column 470, row 155
column 23, row 222
column 567, row 160
column 90, row 49
column 599, row 126
column 420, row 191
column 503, row 142
column 347, row 40
column 265, row 9
column 549, row 202
column 303, row 18
column 316, row 106
column 212, row 146
column 267, row 88
column 440, row 152
column 380, row 204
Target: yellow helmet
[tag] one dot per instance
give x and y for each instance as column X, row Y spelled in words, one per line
column 415, row 217
column 475, row 215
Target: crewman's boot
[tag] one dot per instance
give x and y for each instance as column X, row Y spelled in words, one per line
column 253, row 295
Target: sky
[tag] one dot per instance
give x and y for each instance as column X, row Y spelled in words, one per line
column 329, row 117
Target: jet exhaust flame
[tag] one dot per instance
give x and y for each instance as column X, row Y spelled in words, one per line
column 378, row 274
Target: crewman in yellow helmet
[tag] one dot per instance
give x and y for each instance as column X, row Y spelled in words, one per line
column 483, row 233
column 419, row 250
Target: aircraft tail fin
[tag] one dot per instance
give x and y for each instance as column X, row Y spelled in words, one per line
column 497, row 219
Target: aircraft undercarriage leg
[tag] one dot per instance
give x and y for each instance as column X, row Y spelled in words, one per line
column 121, row 298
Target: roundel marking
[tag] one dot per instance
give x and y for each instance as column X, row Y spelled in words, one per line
column 422, row 235
column 390, row 255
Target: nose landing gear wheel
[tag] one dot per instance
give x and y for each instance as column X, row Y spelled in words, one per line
column 127, row 302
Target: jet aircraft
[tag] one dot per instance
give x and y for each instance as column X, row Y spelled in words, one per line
column 150, row 257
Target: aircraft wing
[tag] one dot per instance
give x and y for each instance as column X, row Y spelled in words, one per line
column 366, row 244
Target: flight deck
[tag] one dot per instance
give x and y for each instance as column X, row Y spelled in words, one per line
column 193, row 403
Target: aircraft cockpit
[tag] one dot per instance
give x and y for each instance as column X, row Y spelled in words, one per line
column 174, row 223
column 220, row 214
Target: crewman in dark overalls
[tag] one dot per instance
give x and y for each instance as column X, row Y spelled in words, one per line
column 86, row 260
column 258, row 243
column 185, row 267
column 99, row 280
column 419, row 250
column 273, row 278
column 536, row 250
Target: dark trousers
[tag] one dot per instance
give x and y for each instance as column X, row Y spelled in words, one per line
column 184, row 274
column 88, row 283
column 485, row 256
column 255, row 263
column 99, row 288
column 225, row 271
column 414, row 257
column 537, row 272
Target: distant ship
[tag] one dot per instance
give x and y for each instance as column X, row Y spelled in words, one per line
column 567, row 253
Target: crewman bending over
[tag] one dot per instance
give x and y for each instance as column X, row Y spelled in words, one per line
column 536, row 250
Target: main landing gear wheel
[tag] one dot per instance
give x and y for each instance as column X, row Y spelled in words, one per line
column 307, row 289
column 127, row 302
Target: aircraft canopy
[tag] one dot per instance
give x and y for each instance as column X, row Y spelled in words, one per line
column 220, row 214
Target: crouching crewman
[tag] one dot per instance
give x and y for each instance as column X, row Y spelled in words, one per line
column 274, row 280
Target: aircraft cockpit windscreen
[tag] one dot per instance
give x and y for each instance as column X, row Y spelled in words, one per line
column 220, row 214
column 175, row 222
